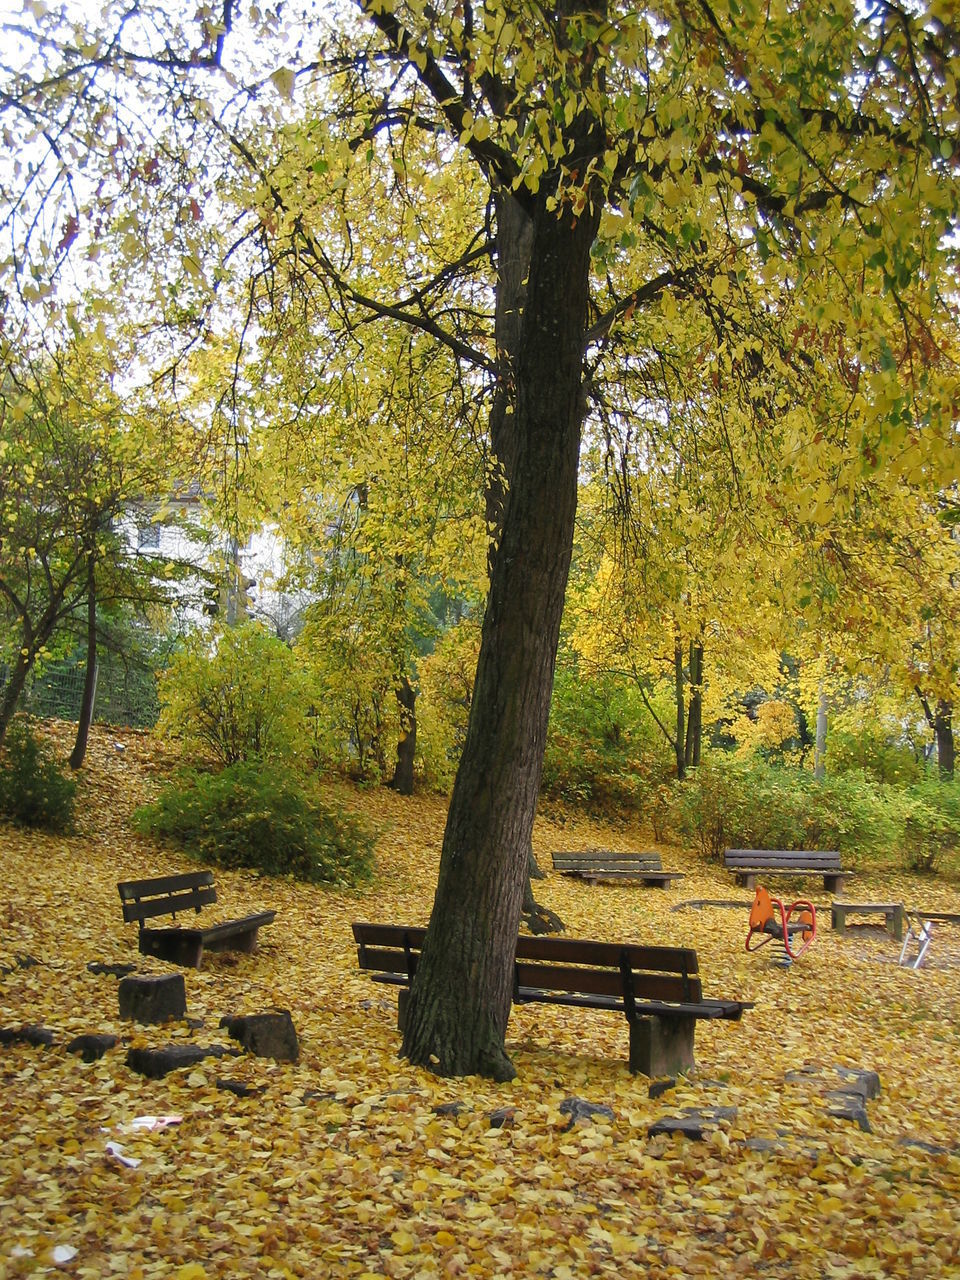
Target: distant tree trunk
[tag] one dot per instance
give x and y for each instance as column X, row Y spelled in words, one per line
column 16, row 682
column 691, row 754
column 90, row 676
column 402, row 780
column 941, row 722
column 460, row 999
column 678, row 688
column 820, row 750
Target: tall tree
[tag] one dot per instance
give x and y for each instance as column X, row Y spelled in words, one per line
column 688, row 149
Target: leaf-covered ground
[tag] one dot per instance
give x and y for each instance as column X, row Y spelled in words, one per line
column 341, row 1165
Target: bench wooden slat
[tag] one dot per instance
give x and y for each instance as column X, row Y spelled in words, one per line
column 171, row 905
column 814, row 859
column 130, row 890
column 606, row 982
column 648, row 861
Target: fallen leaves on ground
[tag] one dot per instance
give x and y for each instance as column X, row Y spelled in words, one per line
column 342, row 1164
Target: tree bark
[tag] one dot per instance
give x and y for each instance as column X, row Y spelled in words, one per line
column 943, row 728
column 88, row 699
column 691, row 754
column 820, row 749
column 402, row 780
column 941, row 722
column 461, row 996
column 678, row 742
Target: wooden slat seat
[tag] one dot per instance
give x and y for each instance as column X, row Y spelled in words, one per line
column 750, row 864
column 602, row 865
column 143, row 900
column 657, row 989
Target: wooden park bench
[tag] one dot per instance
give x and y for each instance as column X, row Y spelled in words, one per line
column 595, row 865
column 751, row 864
column 185, row 944
column 656, row 988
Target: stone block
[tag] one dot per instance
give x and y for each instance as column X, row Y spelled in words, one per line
column 152, row 999
column 267, row 1035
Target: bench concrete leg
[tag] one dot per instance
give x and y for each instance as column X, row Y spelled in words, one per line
column 748, row 879
column 245, row 942
column 403, row 995
column 661, row 1045
column 833, row 884
column 838, row 918
column 895, row 921
column 170, row 946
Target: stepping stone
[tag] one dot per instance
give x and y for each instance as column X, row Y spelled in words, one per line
column 116, row 970
column 694, row 1122
column 449, row 1109
column 91, row 1047
column 267, row 1035
column 152, row 999
column 239, row 1088
column 156, row 1063
column 29, row 1034
column 579, row 1109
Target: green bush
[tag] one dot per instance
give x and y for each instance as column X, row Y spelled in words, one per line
column 602, row 751
column 932, row 825
column 730, row 802
column 34, row 790
column 245, row 698
column 250, row 816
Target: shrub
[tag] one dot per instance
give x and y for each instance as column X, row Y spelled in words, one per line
column 246, row 699
column 932, row 825
column 602, row 750
column 729, row 802
column 250, row 816
column 34, row 790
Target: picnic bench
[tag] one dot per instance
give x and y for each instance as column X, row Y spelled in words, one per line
column 657, row 989
column 185, row 944
column 594, row 865
column 750, row 864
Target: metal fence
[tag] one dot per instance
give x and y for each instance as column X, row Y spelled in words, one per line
column 126, row 692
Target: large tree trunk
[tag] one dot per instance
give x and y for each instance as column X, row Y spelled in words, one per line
column 460, row 1000
column 402, row 780
column 89, row 697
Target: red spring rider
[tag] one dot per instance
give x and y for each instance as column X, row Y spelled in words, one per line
column 769, row 918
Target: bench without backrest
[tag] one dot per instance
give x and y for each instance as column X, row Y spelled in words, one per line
column 595, row 865
column 750, row 864
column 658, row 989
column 170, row 895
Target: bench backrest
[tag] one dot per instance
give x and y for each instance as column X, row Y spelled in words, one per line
column 783, row 859
column 572, row 965
column 166, row 895
column 601, row 859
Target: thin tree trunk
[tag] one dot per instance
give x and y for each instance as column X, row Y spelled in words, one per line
column 460, row 999
column 943, row 728
column 820, row 749
column 941, row 722
column 679, row 740
column 88, row 700
column 691, row 755
column 16, row 682
column 402, row 780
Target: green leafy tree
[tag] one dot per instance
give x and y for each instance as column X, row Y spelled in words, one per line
column 722, row 156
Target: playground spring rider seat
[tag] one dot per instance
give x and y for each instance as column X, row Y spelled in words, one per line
column 769, row 918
